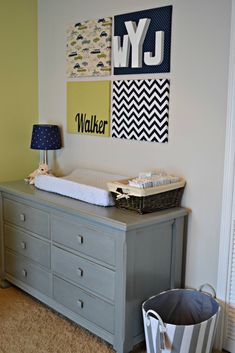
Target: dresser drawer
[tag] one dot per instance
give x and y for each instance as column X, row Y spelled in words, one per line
column 87, row 306
column 87, row 274
column 36, row 249
column 27, row 272
column 27, row 217
column 85, row 239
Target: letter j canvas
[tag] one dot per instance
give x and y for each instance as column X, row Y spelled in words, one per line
column 88, row 107
column 142, row 41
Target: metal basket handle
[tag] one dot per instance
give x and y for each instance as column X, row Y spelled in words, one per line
column 211, row 288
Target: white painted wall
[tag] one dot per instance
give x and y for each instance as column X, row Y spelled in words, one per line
column 199, row 70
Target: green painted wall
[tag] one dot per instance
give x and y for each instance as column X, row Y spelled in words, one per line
column 18, row 87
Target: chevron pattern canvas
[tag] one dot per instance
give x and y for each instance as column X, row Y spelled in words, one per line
column 140, row 109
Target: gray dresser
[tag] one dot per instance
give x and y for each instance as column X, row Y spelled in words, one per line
column 95, row 265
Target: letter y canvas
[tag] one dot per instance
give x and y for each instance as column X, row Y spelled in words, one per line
column 88, row 107
column 142, row 41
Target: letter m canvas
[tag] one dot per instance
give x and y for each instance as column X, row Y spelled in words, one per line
column 142, row 41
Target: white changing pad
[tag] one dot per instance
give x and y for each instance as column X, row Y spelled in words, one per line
column 82, row 184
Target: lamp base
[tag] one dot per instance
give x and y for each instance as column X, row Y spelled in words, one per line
column 45, row 157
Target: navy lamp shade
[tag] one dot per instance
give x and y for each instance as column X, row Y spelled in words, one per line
column 46, row 137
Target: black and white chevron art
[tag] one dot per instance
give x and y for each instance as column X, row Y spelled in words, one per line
column 140, row 109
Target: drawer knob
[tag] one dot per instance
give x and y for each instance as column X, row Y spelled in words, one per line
column 80, row 272
column 80, row 303
column 23, row 245
column 24, row 273
column 80, row 239
column 22, row 217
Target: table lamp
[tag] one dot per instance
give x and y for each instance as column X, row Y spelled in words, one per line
column 46, row 137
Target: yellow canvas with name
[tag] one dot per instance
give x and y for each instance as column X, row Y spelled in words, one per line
column 88, row 107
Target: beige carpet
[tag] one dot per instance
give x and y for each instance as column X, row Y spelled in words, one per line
column 27, row 326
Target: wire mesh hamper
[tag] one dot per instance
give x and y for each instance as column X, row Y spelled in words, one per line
column 180, row 321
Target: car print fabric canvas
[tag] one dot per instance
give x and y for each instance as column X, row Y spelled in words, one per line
column 89, row 48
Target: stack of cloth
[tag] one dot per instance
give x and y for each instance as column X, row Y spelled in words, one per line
column 151, row 179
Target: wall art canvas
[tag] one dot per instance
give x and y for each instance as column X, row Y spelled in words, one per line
column 142, row 41
column 89, row 48
column 140, row 109
column 88, row 107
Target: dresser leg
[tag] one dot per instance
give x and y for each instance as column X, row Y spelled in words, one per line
column 4, row 283
column 124, row 348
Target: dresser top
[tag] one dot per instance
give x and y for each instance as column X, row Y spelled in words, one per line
column 118, row 218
